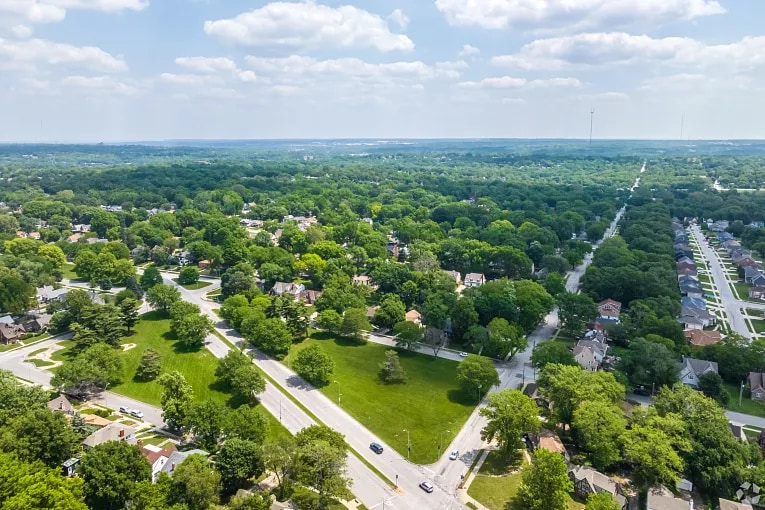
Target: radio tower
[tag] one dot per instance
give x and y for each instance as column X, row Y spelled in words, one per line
column 592, row 114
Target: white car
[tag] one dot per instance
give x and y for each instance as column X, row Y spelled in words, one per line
column 454, row 455
column 136, row 413
column 463, row 354
column 125, row 409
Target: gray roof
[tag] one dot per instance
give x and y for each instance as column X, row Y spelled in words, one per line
column 699, row 366
column 6, row 319
column 662, row 502
column 112, row 432
column 696, row 312
column 697, row 303
column 176, row 458
column 48, row 293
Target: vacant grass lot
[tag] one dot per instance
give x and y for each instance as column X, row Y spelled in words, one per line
column 429, row 404
column 742, row 289
column 193, row 286
column 748, row 406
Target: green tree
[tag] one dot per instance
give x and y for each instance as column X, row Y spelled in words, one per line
column 355, row 324
column 196, row 483
column 314, row 365
column 545, row 483
column 189, row 275
column 601, row 501
column 15, row 294
column 90, row 371
column 711, row 385
column 272, row 337
column 508, row 337
column 177, row 399
column 279, row 458
column 408, row 334
column 129, row 313
column 150, row 365
column 237, row 461
column 43, row 488
column 192, row 330
column 509, row 414
column 551, row 352
column 533, row 303
column 16, row 398
column 150, row 278
column 464, row 317
column 205, row 421
column 246, row 423
column 649, row 362
column 599, row 427
column 247, row 383
column 111, row 471
column 254, row 501
column 322, row 466
column 391, row 371
column 162, row 297
column 576, row 310
column 230, row 364
column 330, row 320
column 40, row 434
column 391, row 311
column 476, row 375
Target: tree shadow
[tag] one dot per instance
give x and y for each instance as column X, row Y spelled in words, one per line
column 153, row 316
column 459, row 396
column 295, row 381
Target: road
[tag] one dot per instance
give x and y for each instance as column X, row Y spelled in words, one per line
column 731, row 305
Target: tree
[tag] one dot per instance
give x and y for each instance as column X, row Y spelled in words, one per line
column 476, row 375
column 575, row 310
column 391, row 311
column 464, row 317
column 321, row 465
column 509, row 414
column 192, row 330
column 330, row 320
column 150, row 278
column 279, row 458
column 545, row 483
column 44, row 489
column 17, row 398
column 533, row 303
column 408, row 334
column 601, row 501
column 253, row 501
column 237, row 461
column 272, row 337
column 110, row 472
column 391, row 371
column 649, row 363
column 711, row 385
column 247, row 383
column 599, row 427
column 195, row 483
column 205, row 421
column 314, row 365
column 355, row 323
column 189, row 275
column 162, row 297
column 129, row 313
column 551, row 352
column 246, row 423
column 150, row 365
column 40, row 434
column 508, row 337
column 177, row 399
column 90, row 371
column 239, row 279
column 15, row 294
column 230, row 364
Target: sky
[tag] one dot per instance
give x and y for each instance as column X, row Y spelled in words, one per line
column 132, row 70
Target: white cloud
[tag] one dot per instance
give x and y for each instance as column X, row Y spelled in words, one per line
column 309, row 25
column 100, row 83
column 598, row 49
column 573, row 15
column 51, row 11
column 22, row 31
column 207, row 65
column 190, row 79
column 207, row 70
column 692, row 83
column 468, row 51
column 399, row 18
column 509, row 82
column 28, row 54
column 247, row 76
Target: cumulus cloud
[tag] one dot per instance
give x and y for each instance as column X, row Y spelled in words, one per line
column 33, row 53
column 308, row 24
column 510, row 82
column 597, row 49
column 468, row 51
column 206, row 64
column 190, row 79
column 399, row 18
column 573, row 15
column 208, row 70
column 52, row 11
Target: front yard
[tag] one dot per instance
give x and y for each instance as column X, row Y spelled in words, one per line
column 748, row 406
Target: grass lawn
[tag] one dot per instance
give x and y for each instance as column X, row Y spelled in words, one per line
column 214, row 293
column 704, row 278
column 39, row 363
column 748, row 406
column 742, row 289
column 193, row 286
column 428, row 405
column 68, row 272
column 496, row 492
column 758, row 325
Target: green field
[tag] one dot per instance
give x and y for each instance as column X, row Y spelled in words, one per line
column 39, row 363
column 758, row 325
column 704, row 278
column 748, row 406
column 742, row 289
column 193, row 286
column 428, row 405
column 68, row 272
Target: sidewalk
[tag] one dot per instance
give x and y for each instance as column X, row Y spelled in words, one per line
column 462, row 492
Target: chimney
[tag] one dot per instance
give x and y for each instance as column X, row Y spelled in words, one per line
column 172, row 467
column 60, row 404
column 122, row 433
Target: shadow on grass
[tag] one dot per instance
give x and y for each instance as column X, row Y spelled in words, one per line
column 498, row 464
column 459, row 396
column 340, row 341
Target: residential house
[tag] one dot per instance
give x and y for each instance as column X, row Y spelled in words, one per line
column 62, row 404
column 750, row 273
column 759, row 280
column 176, row 458
column 686, row 272
column 311, row 296
column 757, row 386
column 691, row 302
column 690, row 322
column 413, row 316
column 392, row 248
column 608, row 308
column 362, row 280
column 719, row 226
column 204, row 264
column 546, row 440
column 691, row 369
column 7, row 319
column 80, row 228
column 757, row 293
column 112, row 432
column 702, row 338
column 37, row 323
column 687, row 265
column 295, row 290
column 745, row 261
column 48, row 294
column 707, row 318
column 157, row 458
column 691, row 289
column 726, row 504
column 455, row 275
column 10, row 333
column 69, row 467
column 474, row 280
column 589, row 481
column 96, row 240
column 589, row 354
column 666, row 501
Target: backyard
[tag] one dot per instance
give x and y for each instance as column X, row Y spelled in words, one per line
column 429, row 405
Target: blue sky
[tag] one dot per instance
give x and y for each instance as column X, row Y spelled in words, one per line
column 124, row 70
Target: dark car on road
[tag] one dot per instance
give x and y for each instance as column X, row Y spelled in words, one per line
column 377, row 448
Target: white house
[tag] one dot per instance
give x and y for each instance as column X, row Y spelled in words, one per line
column 691, row 369
column 474, row 280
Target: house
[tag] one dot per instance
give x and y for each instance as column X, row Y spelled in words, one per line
column 204, row 264
column 547, row 440
column 362, row 280
column 69, row 467
column 749, row 273
column 371, row 311
column 690, row 289
column 62, row 404
column 474, row 280
column 759, row 280
column 112, row 432
column 686, row 272
column 745, row 261
column 80, row 228
column 608, row 308
column 38, row 323
column 691, row 369
column 665, row 501
column 10, row 333
column 589, row 481
column 7, row 319
column 726, row 504
column 589, row 354
column 703, row 315
column 757, row 386
column 757, row 293
column 48, row 294
column 702, row 338
column 737, row 429
column 691, row 323
column 687, row 265
column 413, row 316
column 157, row 458
column 692, row 302
column 455, row 275
column 176, row 458
column 312, row 295
column 293, row 289
column 603, row 323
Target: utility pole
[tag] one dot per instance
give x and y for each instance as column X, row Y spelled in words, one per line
column 338, row 392
column 408, row 444
column 740, row 394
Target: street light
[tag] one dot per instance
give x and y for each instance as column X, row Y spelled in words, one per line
column 408, row 444
column 338, row 392
column 440, row 438
column 479, row 394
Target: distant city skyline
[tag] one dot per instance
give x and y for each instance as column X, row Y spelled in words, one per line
column 146, row 70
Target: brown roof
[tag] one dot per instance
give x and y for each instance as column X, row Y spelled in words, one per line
column 61, row 403
column 550, row 441
column 756, row 380
column 701, row 338
column 726, row 504
column 413, row 315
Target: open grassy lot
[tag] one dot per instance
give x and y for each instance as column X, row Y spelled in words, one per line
column 748, row 406
column 429, row 404
column 758, row 325
column 68, row 272
column 742, row 289
column 496, row 492
column 193, row 286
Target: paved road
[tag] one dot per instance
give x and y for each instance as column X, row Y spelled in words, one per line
column 730, row 304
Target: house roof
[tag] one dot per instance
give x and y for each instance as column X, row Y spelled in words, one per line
column 610, row 302
column 697, row 303
column 61, row 403
column 176, row 458
column 698, row 366
column 372, row 310
column 112, row 432
column 756, row 380
column 531, row 390
column 755, row 290
column 726, row 504
column 474, row 277
column 662, row 502
column 593, row 346
column 700, row 337
column 454, row 274
column 11, row 331
column 597, row 481
column 6, row 319
column 750, row 271
column 698, row 313
column 584, row 356
column 549, row 440
column 48, row 292
column 412, row 315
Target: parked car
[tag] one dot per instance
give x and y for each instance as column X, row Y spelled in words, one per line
column 463, row 354
column 454, row 455
column 136, row 413
column 376, row 447
column 125, row 409
column 640, row 390
column 426, row 486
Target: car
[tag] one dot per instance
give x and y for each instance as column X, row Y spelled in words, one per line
column 454, row 455
column 136, row 413
column 124, row 409
column 463, row 354
column 426, row 486
column 640, row 390
column 376, row 447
